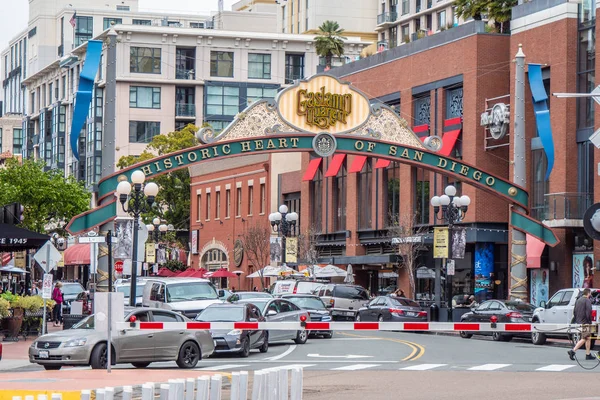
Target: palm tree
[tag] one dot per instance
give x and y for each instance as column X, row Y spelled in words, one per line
column 471, row 8
column 330, row 41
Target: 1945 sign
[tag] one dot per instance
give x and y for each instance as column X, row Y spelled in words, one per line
column 10, row 241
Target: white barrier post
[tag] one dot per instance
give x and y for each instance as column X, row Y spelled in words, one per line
column 273, row 385
column 296, row 392
column 235, row 386
column 100, row 394
column 243, row 386
column 257, row 385
column 127, row 393
column 29, row 397
column 56, row 396
column 179, row 389
column 215, row 387
column 17, row 398
column 42, row 397
column 283, row 384
column 109, row 393
column 190, row 387
column 148, row 391
column 85, row 395
column 203, row 387
column 164, row 392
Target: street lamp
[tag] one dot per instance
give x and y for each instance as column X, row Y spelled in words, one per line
column 239, row 274
column 453, row 210
column 157, row 230
column 138, row 201
column 284, row 223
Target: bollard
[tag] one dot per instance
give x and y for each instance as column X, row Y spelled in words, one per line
column 127, row 393
column 203, row 384
column 57, row 396
column 100, row 394
column 215, row 387
column 273, row 385
column 29, row 397
column 179, row 389
column 257, row 386
column 85, row 395
column 243, row 386
column 164, row 392
column 42, row 397
column 17, row 398
column 148, row 391
column 283, row 384
column 190, row 388
column 235, row 386
column 109, row 393
column 296, row 392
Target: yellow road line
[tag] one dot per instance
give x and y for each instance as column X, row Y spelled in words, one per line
column 417, row 349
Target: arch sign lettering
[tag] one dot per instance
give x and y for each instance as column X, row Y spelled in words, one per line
column 324, row 116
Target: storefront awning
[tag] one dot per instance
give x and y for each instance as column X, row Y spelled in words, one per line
column 311, row 171
column 335, row 165
column 358, row 164
column 535, row 248
column 452, row 130
column 78, row 254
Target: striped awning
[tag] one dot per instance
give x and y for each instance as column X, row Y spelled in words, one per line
column 311, row 171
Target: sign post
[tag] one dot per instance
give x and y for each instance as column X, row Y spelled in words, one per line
column 48, row 257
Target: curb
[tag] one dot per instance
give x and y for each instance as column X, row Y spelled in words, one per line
column 550, row 342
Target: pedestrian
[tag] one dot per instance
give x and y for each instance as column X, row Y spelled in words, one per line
column 34, row 291
column 582, row 314
column 57, row 296
column 255, row 289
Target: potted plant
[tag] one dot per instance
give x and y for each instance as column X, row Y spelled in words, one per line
column 34, row 314
column 11, row 325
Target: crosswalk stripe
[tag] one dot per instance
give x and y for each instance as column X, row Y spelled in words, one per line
column 292, row 366
column 223, row 367
column 555, row 367
column 488, row 367
column 422, row 367
column 355, row 367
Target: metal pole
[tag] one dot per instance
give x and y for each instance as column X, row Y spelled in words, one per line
column 518, row 271
column 45, row 301
column 110, row 276
column 136, row 217
column 448, row 276
column 438, row 283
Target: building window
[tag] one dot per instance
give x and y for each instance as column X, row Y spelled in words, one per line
column 405, row 32
column 316, row 194
column 122, row 8
column 207, row 213
column 454, row 16
column 422, row 112
column 441, row 20
column 540, row 185
column 391, row 179
column 294, row 67
column 255, row 94
column 422, row 197
column 184, row 63
column 405, row 7
column 199, row 25
column 217, row 126
column 145, row 60
column 263, row 198
column 222, row 100
column 339, row 200
column 17, row 141
column 144, row 97
column 142, row 22
column 109, row 21
column 218, row 205
column 199, row 207
column 227, row 203
column 250, row 199
column 585, row 172
column 84, row 30
column 221, row 64
column 454, row 102
column 586, row 77
column 259, row 66
column 364, row 196
column 143, row 131
column 238, row 203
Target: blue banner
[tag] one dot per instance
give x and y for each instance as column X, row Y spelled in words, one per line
column 484, row 269
column 539, row 286
column 83, row 98
column 542, row 113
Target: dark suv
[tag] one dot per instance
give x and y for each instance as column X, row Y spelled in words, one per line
column 345, row 300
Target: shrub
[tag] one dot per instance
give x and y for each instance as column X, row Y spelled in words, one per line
column 4, row 308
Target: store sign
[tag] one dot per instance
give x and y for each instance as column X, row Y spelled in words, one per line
column 238, row 252
column 440, row 242
column 324, row 110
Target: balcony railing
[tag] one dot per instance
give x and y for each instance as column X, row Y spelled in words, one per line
column 387, row 17
column 566, row 209
column 181, row 73
column 185, row 110
column 382, row 45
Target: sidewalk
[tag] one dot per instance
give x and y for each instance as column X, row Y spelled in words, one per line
column 17, row 352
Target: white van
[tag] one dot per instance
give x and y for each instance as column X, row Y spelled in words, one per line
column 188, row 296
column 292, row 286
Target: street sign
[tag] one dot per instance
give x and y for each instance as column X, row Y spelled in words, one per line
column 47, row 256
column 450, row 267
column 119, row 266
column 47, row 287
column 92, row 239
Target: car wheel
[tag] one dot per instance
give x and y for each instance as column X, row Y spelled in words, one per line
column 380, row 318
column 328, row 335
column 52, row 367
column 140, row 364
column 99, row 357
column 357, row 317
column 538, row 338
column 465, row 335
column 265, row 346
column 301, row 337
column 246, row 348
column 189, row 355
column 497, row 337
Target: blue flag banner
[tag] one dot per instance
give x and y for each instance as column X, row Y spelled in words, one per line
column 542, row 113
column 83, row 98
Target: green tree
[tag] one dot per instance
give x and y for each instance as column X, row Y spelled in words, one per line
column 173, row 199
column 330, row 41
column 49, row 199
column 471, row 8
column 501, row 11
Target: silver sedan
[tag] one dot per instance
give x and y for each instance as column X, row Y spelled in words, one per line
column 83, row 345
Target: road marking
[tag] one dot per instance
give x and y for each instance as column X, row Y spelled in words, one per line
column 488, row 367
column 288, row 367
column 355, row 367
column 555, row 367
column 223, row 367
column 358, row 338
column 422, row 367
column 280, row 356
column 417, row 349
column 347, row 356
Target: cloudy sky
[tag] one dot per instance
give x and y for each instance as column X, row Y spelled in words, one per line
column 13, row 19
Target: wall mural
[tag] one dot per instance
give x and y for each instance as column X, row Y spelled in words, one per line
column 484, row 269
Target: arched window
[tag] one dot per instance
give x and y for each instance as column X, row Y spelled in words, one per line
column 214, row 259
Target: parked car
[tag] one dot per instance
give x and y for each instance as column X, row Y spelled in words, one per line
column 276, row 310
column 70, row 292
column 124, row 286
column 224, row 294
column 236, row 340
column 188, row 296
column 0, row 351
column 345, row 300
column 559, row 310
column 504, row 311
column 249, row 295
column 84, row 345
column 392, row 309
column 293, row 286
column 317, row 310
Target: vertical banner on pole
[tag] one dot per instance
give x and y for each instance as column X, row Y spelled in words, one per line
column 150, row 253
column 440, row 242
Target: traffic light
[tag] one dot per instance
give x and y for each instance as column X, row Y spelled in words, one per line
column 11, row 214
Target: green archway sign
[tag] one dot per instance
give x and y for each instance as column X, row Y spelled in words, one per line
column 325, row 116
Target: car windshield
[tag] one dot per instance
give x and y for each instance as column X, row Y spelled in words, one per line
column 254, row 295
column 86, row 323
column 313, row 303
column 73, row 288
column 221, row 314
column 405, row 303
column 520, row 306
column 191, row 291
column 126, row 290
column 260, row 303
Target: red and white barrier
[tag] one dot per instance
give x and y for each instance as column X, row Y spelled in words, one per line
column 355, row 326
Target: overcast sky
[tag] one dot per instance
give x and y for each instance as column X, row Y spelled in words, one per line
column 13, row 18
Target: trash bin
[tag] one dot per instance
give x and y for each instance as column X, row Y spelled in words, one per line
column 434, row 313
column 71, row 319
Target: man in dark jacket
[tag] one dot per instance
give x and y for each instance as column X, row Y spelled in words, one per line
column 582, row 314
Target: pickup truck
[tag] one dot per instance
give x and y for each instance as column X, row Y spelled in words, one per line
column 559, row 310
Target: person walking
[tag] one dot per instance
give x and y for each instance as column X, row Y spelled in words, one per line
column 57, row 296
column 582, row 314
column 34, row 291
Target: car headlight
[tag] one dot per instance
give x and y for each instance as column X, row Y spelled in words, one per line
column 235, row 332
column 76, row 342
column 326, row 318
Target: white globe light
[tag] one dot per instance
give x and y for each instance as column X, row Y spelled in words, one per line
column 435, row 201
column 595, row 220
column 465, row 200
column 156, row 221
column 124, row 187
column 291, row 217
column 150, row 227
column 444, row 200
column 138, row 177
column 272, row 217
column 163, row 228
column 456, row 201
column 450, row 190
column 283, row 209
column 151, row 189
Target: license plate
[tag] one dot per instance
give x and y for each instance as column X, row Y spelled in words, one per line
column 44, row 354
column 349, row 314
column 411, row 314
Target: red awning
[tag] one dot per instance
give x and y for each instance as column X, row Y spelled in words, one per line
column 452, row 130
column 357, row 164
column 381, row 163
column 535, row 248
column 335, row 165
column 311, row 171
column 78, row 254
column 421, row 130
column 6, row 257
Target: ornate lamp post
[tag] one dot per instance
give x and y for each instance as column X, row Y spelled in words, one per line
column 284, row 223
column 453, row 210
column 139, row 199
column 157, row 230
